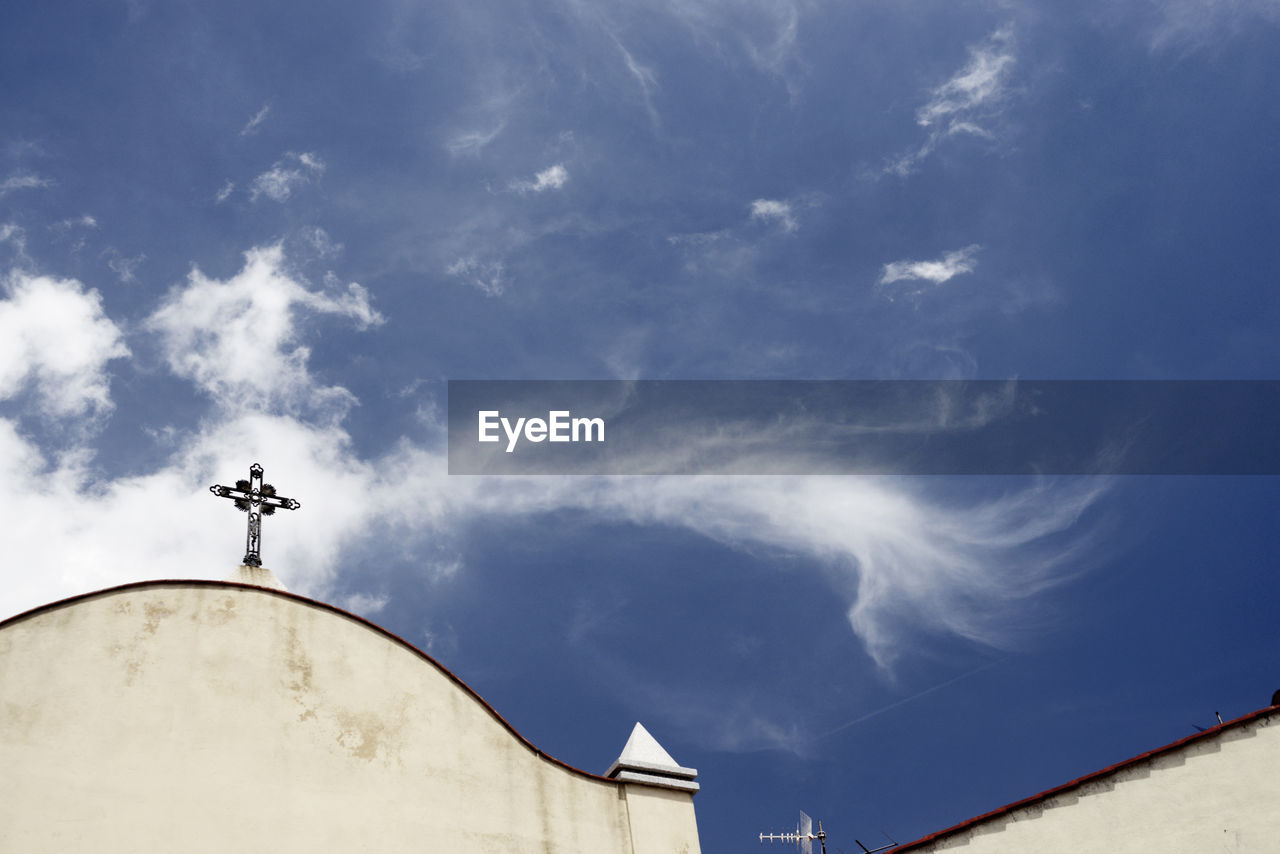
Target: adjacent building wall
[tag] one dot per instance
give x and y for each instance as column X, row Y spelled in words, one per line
column 207, row 717
column 1218, row 791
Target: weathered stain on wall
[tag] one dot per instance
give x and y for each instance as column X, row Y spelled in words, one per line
column 208, row 717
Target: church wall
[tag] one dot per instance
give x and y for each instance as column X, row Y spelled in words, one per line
column 208, row 717
column 662, row 821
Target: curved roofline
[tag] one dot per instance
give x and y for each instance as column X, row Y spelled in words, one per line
column 1208, row 733
column 285, row 594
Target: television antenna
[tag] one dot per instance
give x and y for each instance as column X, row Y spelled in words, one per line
column 803, row 837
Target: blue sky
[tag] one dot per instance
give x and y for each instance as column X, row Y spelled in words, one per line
column 243, row 233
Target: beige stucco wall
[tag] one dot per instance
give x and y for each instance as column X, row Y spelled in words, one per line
column 1219, row 794
column 202, row 717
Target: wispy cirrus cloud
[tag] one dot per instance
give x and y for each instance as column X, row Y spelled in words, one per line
column 243, row 343
column 251, row 127
column 85, row 221
column 23, row 181
column 489, row 276
column 75, row 230
column 980, row 83
column 937, row 272
column 15, row 236
column 287, row 174
column 645, row 78
column 472, row 142
column 492, row 107
column 734, row 251
column 767, row 33
column 126, row 269
column 965, row 102
column 1189, row 25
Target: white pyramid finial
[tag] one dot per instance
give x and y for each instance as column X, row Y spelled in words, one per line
column 644, row 748
column 643, row 760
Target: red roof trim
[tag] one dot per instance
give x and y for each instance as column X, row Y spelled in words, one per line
column 1088, row 778
column 198, row 582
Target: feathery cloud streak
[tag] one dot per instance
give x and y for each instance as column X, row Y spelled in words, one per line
column 251, row 127
column 908, row 563
column 23, row 181
column 965, row 102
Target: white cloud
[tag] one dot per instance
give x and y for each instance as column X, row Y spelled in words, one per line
column 22, row 181
column 237, row 340
column 224, row 193
column 254, row 123
column 645, row 79
column 958, row 107
column 16, row 237
column 286, row 175
column 55, row 337
column 486, row 117
column 92, row 528
column 904, row 562
column 85, row 221
column 764, row 32
column 1194, row 24
column 949, row 266
column 720, row 254
column 124, row 268
column 364, row 604
column 551, row 178
column 74, row 230
column 772, row 210
column 92, row 531
column 320, row 242
column 980, row 83
column 909, row 564
column 473, row 141
column 697, row 238
column 488, row 276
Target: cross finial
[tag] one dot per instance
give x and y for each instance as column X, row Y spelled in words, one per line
column 258, row 499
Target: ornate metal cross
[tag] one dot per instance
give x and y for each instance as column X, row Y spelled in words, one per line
column 258, row 499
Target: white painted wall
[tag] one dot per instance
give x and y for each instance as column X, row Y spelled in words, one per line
column 210, row 718
column 1219, row 794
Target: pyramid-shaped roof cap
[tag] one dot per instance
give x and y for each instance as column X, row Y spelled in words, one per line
column 644, row 760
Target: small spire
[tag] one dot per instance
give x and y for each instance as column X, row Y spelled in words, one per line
column 643, row 760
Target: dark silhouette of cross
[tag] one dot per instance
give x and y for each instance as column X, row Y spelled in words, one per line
column 258, row 499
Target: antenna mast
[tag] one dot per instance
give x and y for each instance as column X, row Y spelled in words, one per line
column 803, row 837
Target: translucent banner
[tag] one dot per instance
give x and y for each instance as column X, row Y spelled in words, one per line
column 904, row 427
